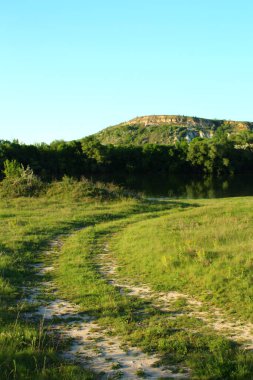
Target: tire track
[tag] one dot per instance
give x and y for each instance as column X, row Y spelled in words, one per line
column 91, row 345
column 234, row 330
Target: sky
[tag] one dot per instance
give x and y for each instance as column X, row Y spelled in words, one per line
column 69, row 68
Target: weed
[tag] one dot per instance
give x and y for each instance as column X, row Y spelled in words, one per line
column 140, row 373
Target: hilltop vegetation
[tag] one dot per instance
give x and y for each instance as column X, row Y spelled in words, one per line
column 168, row 129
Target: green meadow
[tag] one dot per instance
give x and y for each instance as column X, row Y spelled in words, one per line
column 202, row 248
column 206, row 251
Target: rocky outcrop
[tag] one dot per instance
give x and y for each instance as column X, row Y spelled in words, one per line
column 187, row 121
column 167, row 129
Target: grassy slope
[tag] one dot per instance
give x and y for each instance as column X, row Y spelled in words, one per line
column 205, row 251
column 165, row 129
column 208, row 355
column 138, row 134
column 26, row 228
column 27, row 225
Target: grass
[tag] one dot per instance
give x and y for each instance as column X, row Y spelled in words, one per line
column 182, row 341
column 204, row 251
column 135, row 230
column 27, row 225
column 26, row 228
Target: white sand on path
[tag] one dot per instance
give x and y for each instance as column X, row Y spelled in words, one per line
column 235, row 330
column 92, row 346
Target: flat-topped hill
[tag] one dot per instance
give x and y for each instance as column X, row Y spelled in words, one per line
column 167, row 129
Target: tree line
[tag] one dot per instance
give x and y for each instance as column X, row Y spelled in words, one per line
column 218, row 156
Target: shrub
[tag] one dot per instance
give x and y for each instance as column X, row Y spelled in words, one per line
column 85, row 188
column 19, row 181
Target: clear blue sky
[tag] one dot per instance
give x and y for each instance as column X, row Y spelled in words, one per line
column 69, row 68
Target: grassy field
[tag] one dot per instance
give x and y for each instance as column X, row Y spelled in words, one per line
column 205, row 251
column 202, row 248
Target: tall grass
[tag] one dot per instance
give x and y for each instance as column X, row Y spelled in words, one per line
column 205, row 251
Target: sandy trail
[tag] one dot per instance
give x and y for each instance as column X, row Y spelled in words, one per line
column 92, row 346
column 237, row 331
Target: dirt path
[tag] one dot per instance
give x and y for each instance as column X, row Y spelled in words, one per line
column 237, row 331
column 91, row 346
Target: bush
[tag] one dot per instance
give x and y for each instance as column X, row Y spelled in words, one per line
column 85, row 188
column 19, row 181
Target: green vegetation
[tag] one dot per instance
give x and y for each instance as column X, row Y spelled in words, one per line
column 204, row 251
column 189, row 146
column 27, row 226
column 180, row 340
column 168, row 129
column 19, row 181
column 199, row 248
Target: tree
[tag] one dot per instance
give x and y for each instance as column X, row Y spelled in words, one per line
column 209, row 156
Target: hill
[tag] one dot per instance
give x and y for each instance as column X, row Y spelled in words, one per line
column 167, row 129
